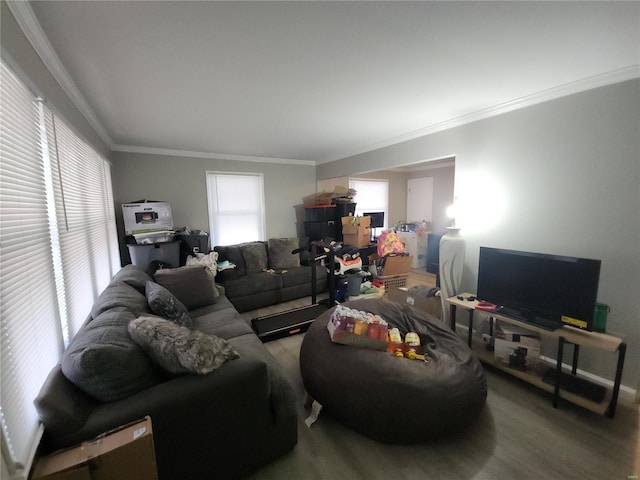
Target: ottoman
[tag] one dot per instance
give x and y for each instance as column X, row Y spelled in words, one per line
column 389, row 399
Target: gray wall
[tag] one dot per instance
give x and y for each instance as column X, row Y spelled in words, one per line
column 18, row 53
column 443, row 181
column 181, row 181
column 559, row 177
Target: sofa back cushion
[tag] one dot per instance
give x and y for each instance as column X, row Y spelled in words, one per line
column 120, row 294
column 255, row 256
column 280, row 256
column 104, row 361
column 193, row 285
column 230, row 253
column 133, row 276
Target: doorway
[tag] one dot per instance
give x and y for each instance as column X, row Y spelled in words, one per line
column 420, row 199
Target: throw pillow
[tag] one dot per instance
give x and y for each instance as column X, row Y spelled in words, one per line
column 280, row 256
column 255, row 256
column 103, row 361
column 192, row 285
column 233, row 254
column 162, row 302
column 178, row 350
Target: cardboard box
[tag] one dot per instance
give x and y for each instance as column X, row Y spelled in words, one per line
column 430, row 305
column 512, row 333
column 356, row 231
column 391, row 264
column 324, row 197
column 125, row 453
column 144, row 217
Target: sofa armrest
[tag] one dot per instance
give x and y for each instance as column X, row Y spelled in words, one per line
column 199, row 402
column 62, row 407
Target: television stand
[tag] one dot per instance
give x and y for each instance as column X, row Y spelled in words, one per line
column 572, row 389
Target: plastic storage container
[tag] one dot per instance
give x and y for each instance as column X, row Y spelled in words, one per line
column 167, row 253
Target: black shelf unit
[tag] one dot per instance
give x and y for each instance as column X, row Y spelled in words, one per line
column 324, row 221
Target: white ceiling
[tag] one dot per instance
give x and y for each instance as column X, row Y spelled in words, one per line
column 317, row 81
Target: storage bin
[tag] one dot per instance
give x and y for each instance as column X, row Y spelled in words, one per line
column 320, row 230
column 167, row 253
column 320, row 213
column 393, row 281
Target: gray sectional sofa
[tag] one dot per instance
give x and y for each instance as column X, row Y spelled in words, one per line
column 267, row 273
column 222, row 424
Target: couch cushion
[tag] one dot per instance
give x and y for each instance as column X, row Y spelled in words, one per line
column 299, row 276
column 280, row 256
column 120, row 294
column 193, row 285
column 104, row 362
column 253, row 283
column 132, row 275
column 221, row 319
column 230, row 253
column 178, row 350
column 165, row 304
column 255, row 256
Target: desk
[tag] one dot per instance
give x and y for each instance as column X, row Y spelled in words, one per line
column 565, row 335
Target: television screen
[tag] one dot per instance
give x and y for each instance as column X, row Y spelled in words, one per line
column 546, row 290
column 377, row 219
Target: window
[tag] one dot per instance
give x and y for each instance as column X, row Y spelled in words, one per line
column 371, row 196
column 236, row 207
column 58, row 249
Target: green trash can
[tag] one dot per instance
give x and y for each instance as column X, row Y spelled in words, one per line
column 600, row 317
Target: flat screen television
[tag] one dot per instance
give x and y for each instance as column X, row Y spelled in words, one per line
column 377, row 219
column 545, row 290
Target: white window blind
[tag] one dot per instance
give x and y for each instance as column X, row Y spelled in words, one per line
column 58, row 250
column 236, row 207
column 371, row 196
column 30, row 336
column 86, row 220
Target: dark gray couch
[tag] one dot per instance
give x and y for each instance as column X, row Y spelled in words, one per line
column 223, row 424
column 266, row 273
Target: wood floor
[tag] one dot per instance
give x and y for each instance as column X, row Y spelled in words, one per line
column 519, row 435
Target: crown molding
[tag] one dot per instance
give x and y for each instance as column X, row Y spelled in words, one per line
column 30, row 26
column 609, row 78
column 28, row 23
column 207, row 155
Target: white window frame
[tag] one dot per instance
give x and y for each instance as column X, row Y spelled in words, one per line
column 254, row 213
column 360, row 184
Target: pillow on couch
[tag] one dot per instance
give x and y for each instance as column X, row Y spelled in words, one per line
column 193, row 285
column 280, row 256
column 230, row 253
column 255, row 256
column 103, row 361
column 163, row 303
column 178, row 350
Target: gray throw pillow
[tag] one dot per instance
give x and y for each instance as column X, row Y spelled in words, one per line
column 178, row 350
column 255, row 256
column 280, row 256
column 163, row 303
column 103, row 361
column 193, row 285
